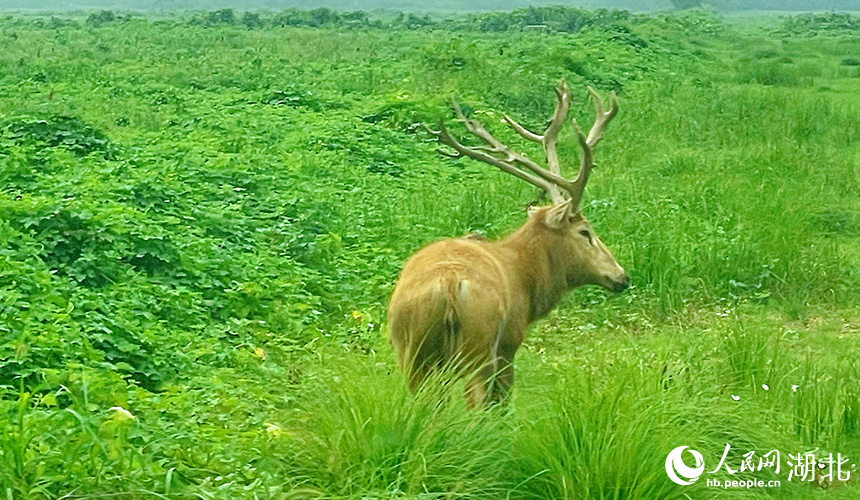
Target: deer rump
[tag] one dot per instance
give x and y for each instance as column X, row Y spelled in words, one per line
column 454, row 310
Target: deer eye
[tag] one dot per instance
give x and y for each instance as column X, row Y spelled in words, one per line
column 585, row 233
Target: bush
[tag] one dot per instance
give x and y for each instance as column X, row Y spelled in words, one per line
column 252, row 20
column 809, row 24
column 101, row 17
column 67, row 132
column 555, row 18
column 223, row 16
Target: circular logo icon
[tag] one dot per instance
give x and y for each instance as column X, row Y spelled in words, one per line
column 678, row 471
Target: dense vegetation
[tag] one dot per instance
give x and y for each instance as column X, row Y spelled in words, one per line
column 162, row 6
column 200, row 224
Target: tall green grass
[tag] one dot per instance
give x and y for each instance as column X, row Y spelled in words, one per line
column 594, row 427
column 595, row 424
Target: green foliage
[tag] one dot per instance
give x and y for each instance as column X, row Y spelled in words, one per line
column 384, row 442
column 68, row 132
column 101, row 17
column 812, row 24
column 556, row 18
column 201, row 221
column 252, row 20
column 223, row 16
column 321, row 17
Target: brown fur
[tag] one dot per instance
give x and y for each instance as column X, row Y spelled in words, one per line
column 466, row 302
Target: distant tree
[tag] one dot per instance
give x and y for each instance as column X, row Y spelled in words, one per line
column 223, row 16
column 414, row 22
column 323, row 16
column 290, row 17
column 572, row 20
column 358, row 17
column 96, row 19
column 494, row 21
column 252, row 20
column 534, row 15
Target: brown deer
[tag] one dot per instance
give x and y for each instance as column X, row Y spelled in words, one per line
column 466, row 302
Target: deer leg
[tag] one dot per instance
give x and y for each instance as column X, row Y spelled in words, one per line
column 503, row 375
column 479, row 387
column 502, row 383
column 416, row 377
column 492, row 383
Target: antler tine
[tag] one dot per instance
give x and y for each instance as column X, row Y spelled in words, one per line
column 549, row 179
column 550, row 137
column 562, row 105
column 448, row 153
column 602, row 116
column 479, row 155
column 601, row 119
column 528, row 134
column 507, row 159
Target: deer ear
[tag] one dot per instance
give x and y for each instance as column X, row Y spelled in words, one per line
column 558, row 217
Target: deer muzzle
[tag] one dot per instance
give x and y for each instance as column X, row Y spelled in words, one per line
column 620, row 282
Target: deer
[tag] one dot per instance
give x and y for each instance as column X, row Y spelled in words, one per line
column 467, row 302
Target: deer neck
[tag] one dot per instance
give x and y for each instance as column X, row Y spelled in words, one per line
column 542, row 278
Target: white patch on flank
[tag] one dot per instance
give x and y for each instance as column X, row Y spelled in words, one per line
column 463, row 288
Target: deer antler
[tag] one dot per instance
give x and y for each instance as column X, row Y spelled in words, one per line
column 601, row 119
column 549, row 179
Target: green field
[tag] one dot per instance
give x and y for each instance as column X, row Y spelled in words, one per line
column 201, row 220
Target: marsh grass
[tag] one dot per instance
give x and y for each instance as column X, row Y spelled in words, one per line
column 595, row 424
column 364, row 434
column 601, row 429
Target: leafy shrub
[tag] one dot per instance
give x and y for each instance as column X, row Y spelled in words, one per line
column 404, row 115
column 299, row 98
column 555, row 18
column 68, row 132
column 698, row 21
column 55, row 22
column 314, row 18
column 776, row 73
column 252, row 20
column 620, row 33
column 412, row 21
column 223, row 16
column 100, row 18
column 766, row 53
column 809, row 24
